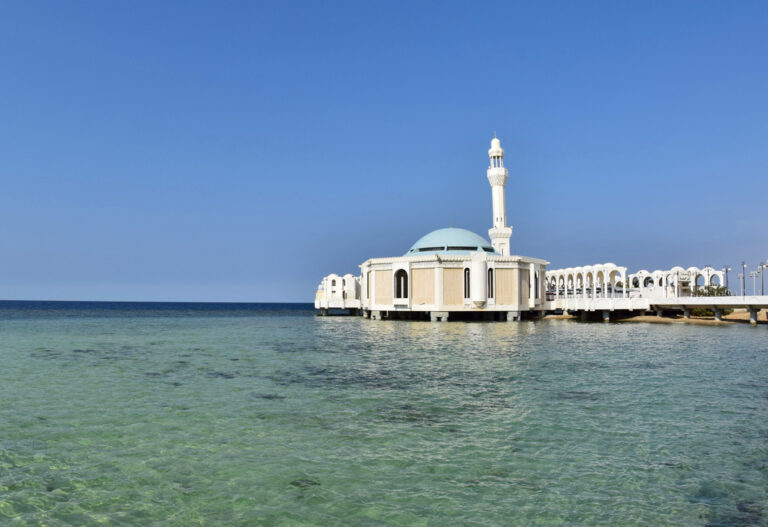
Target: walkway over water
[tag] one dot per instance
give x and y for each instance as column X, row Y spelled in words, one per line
column 608, row 287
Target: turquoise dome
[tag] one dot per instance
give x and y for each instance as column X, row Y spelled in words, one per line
column 450, row 241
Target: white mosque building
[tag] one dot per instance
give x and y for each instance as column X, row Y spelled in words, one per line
column 449, row 273
column 458, row 274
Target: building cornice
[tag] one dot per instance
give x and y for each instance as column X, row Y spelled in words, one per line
column 440, row 258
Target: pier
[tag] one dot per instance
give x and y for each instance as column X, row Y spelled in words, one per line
column 607, row 288
column 608, row 306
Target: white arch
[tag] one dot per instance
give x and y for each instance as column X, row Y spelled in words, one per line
column 583, row 282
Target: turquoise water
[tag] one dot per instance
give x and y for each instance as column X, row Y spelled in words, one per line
column 220, row 415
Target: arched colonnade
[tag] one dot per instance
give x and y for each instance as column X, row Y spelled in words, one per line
column 592, row 281
column 676, row 281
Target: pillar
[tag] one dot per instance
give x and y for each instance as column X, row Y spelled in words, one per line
column 659, row 312
column 583, row 315
column 687, row 312
column 478, row 279
column 606, row 315
column 531, row 286
column 753, row 316
column 438, row 316
column 624, row 284
column 513, row 316
column 718, row 314
column 376, row 315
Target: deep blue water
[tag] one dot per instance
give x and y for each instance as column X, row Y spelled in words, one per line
column 41, row 308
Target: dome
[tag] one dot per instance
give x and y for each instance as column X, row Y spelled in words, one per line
column 450, row 241
column 495, row 143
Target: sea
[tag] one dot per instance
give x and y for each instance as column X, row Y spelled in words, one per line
column 165, row 414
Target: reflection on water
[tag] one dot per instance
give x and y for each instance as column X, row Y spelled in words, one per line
column 272, row 417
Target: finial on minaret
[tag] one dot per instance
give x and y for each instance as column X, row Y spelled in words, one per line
column 497, row 177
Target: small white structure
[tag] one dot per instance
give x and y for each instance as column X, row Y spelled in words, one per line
column 450, row 273
column 338, row 292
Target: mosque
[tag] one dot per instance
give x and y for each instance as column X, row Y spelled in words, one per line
column 456, row 274
column 448, row 273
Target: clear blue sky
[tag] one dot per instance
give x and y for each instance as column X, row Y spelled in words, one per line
column 239, row 151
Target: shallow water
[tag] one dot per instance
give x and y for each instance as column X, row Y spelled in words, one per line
column 266, row 415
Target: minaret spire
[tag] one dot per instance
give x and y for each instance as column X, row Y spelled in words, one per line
column 497, row 177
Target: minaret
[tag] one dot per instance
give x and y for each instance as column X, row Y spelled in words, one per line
column 497, row 177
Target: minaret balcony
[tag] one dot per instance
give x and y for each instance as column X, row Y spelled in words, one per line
column 500, row 233
column 497, row 176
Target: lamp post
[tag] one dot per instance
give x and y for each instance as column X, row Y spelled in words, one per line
column 753, row 276
column 741, row 283
column 743, row 278
column 726, row 269
column 763, row 267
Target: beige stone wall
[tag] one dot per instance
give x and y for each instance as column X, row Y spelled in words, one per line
column 453, row 287
column 506, row 286
column 423, row 286
column 525, row 288
column 383, row 281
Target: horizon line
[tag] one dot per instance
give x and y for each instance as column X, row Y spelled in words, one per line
column 158, row 301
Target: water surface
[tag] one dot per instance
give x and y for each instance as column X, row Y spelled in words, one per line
column 147, row 414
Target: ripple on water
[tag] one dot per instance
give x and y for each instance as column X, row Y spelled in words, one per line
column 294, row 419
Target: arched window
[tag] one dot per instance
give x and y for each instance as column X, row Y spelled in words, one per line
column 490, row 283
column 333, row 283
column 401, row 284
column 466, row 283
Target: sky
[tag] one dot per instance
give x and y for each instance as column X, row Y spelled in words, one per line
column 240, row 151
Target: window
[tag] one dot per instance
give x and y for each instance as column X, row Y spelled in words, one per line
column 401, row 284
column 466, row 283
column 368, row 285
column 462, row 248
column 425, row 249
column 537, row 285
column 333, row 283
column 490, row 283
